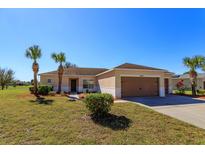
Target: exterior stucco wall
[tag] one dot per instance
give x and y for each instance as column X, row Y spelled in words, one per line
column 109, row 82
column 66, row 82
column 106, row 83
column 187, row 83
column 54, row 80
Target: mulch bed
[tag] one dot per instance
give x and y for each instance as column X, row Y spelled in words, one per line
column 201, row 97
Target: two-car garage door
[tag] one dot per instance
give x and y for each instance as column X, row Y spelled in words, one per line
column 139, row 86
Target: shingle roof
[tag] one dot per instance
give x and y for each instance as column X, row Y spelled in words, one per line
column 95, row 71
column 135, row 66
column 79, row 71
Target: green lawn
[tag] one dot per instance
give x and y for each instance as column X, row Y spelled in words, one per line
column 189, row 92
column 55, row 120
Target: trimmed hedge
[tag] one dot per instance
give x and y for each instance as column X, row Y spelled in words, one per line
column 99, row 104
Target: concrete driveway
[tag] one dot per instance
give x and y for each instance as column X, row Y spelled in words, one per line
column 184, row 108
column 164, row 101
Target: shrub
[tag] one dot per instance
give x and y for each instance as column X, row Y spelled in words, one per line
column 99, row 104
column 181, row 91
column 180, row 87
column 44, row 90
column 31, row 89
column 201, row 92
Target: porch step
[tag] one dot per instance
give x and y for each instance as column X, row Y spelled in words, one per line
column 73, row 97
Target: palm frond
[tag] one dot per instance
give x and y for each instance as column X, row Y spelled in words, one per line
column 187, row 61
column 199, row 60
column 194, row 63
column 33, row 52
column 59, row 58
column 28, row 54
column 62, row 57
column 54, row 56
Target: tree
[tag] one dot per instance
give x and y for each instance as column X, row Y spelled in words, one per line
column 70, row 65
column 193, row 63
column 34, row 53
column 59, row 58
column 32, row 82
column 180, row 86
column 6, row 77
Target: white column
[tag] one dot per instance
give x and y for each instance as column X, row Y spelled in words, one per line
column 118, row 87
column 161, row 87
column 80, row 83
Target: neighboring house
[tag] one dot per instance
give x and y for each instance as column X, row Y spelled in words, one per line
column 122, row 81
column 187, row 83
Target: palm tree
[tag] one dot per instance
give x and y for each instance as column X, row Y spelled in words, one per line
column 193, row 64
column 59, row 58
column 34, row 53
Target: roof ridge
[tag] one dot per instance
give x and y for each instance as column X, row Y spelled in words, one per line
column 120, row 66
column 85, row 68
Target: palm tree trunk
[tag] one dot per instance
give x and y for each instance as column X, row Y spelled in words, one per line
column 60, row 76
column 35, row 83
column 193, row 87
column 59, row 82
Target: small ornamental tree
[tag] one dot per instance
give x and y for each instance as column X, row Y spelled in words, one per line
column 180, row 86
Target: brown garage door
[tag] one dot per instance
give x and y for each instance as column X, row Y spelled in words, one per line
column 139, row 86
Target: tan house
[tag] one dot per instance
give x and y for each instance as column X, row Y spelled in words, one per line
column 187, row 82
column 122, row 81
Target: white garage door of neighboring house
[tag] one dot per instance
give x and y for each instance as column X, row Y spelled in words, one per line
column 139, row 86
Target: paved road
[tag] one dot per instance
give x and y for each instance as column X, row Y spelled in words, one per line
column 183, row 108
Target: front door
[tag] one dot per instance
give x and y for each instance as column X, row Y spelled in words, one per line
column 73, row 85
column 166, row 85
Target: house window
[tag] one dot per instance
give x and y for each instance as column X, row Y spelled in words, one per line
column 88, row 84
column 49, row 81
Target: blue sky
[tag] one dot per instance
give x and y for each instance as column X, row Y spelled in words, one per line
column 101, row 37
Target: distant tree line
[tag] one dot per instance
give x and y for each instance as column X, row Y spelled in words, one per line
column 6, row 77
